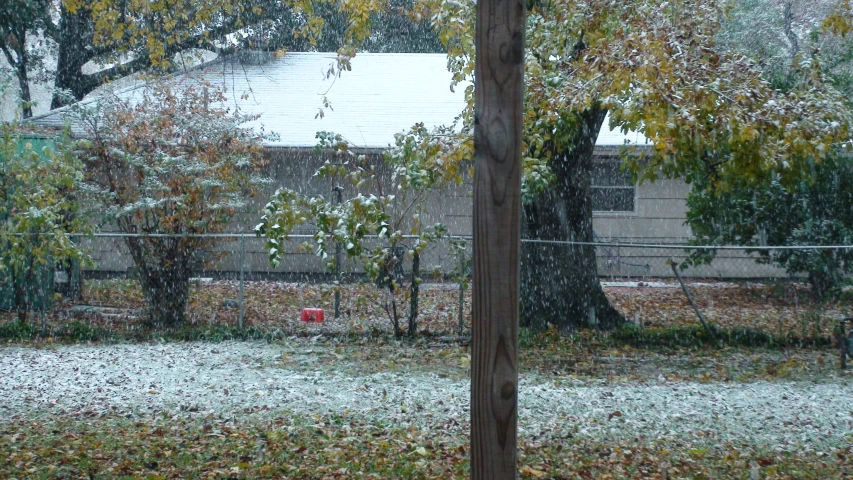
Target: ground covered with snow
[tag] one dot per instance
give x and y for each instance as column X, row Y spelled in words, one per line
column 247, row 380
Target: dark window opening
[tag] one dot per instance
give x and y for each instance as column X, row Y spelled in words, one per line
column 612, row 189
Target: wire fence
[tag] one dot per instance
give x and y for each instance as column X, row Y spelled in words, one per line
column 233, row 283
column 615, row 259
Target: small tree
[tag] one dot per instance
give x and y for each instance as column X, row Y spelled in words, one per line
column 388, row 201
column 40, row 205
column 816, row 210
column 175, row 162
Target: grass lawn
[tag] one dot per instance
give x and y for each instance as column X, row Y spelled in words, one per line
column 344, row 400
column 348, row 447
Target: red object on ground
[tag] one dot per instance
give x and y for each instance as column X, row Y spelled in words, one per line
column 312, row 315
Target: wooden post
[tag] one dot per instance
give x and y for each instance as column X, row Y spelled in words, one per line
column 844, row 342
column 339, row 197
column 242, row 282
column 498, row 93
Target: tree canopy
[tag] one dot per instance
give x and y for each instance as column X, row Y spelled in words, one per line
column 665, row 70
column 660, row 69
column 95, row 41
column 776, row 210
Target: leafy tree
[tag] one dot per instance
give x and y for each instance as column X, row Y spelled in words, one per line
column 775, row 32
column 388, row 201
column 813, row 208
column 127, row 37
column 656, row 68
column 396, row 30
column 41, row 201
column 390, row 29
column 173, row 162
column 781, row 34
column 817, row 210
column 840, row 20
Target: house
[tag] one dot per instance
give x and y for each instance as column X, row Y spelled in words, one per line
column 382, row 95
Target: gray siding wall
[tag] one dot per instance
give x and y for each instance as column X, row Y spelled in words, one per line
column 660, row 213
column 659, row 218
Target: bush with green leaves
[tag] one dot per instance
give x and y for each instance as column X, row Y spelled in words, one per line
column 815, row 210
column 41, row 203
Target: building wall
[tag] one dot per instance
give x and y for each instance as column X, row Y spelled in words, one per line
column 659, row 218
column 661, row 208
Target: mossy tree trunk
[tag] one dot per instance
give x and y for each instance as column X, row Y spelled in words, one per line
column 560, row 283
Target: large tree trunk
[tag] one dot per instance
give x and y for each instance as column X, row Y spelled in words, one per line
column 22, row 299
column 22, row 286
column 164, row 275
column 560, row 284
column 15, row 50
column 24, row 84
column 75, row 50
column 166, row 294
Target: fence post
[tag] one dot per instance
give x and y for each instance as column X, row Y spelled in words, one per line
column 618, row 258
column 461, row 279
column 339, row 198
column 844, row 342
column 242, row 270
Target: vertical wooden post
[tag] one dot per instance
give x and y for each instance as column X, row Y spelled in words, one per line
column 844, row 342
column 242, row 282
column 339, row 198
column 498, row 93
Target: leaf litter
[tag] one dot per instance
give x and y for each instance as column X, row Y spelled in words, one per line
column 784, row 309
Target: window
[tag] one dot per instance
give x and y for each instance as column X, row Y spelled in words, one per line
column 612, row 189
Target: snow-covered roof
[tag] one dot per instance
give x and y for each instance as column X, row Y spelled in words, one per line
column 383, row 94
column 615, row 137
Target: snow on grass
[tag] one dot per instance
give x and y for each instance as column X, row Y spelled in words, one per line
column 228, row 379
column 247, row 380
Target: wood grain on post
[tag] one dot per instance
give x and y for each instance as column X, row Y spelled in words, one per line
column 497, row 202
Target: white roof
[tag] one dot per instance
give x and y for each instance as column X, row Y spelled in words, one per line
column 615, row 137
column 383, row 94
